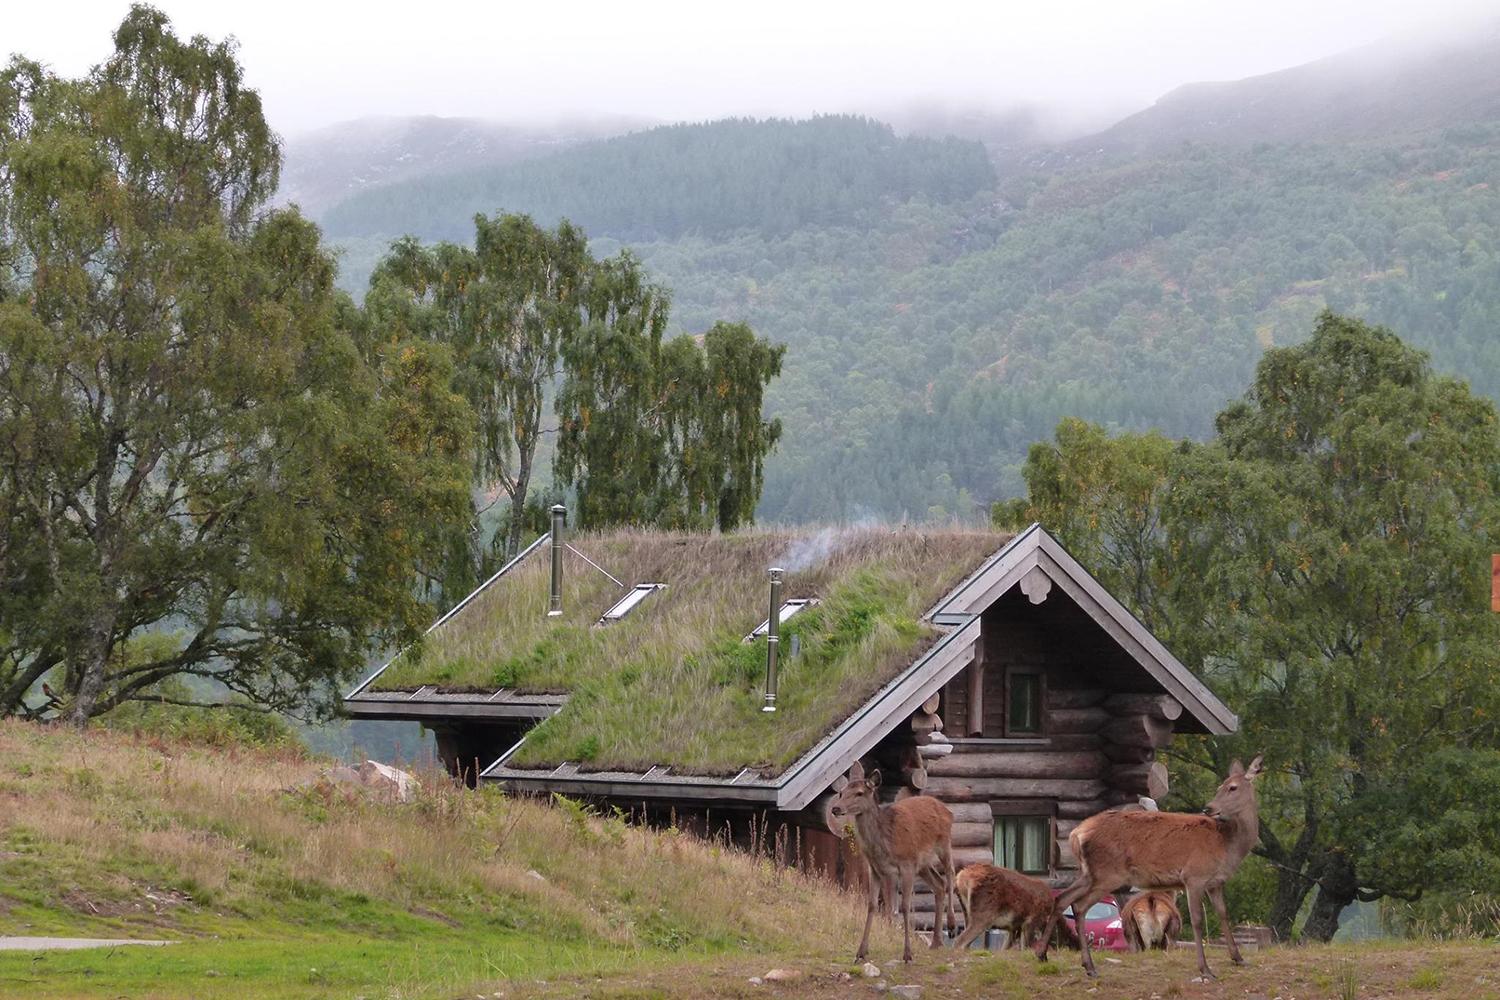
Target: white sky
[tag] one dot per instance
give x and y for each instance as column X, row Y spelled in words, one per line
column 317, row 62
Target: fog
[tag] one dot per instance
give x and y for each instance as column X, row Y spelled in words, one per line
column 1084, row 61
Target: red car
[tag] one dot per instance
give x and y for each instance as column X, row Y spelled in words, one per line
column 1102, row 925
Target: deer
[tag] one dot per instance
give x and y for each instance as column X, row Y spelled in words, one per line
column 899, row 842
column 999, row 897
column 1151, row 920
column 1164, row 850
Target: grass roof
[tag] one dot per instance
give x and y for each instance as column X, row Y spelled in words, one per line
column 673, row 683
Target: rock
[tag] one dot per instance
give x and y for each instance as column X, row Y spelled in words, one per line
column 536, row 874
column 756, row 981
column 395, row 783
column 905, row 992
column 782, row 975
column 870, row 970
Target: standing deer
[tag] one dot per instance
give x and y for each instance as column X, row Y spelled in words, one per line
column 899, row 842
column 998, row 897
column 1151, row 920
column 1161, row 850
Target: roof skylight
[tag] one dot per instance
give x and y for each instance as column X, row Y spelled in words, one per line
column 787, row 610
column 630, row 602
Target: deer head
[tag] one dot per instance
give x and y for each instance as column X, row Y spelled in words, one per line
column 1235, row 800
column 856, row 793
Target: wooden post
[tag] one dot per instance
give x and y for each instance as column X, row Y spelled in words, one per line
column 976, row 691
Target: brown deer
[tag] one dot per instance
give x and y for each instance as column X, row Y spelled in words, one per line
column 1161, row 850
column 1151, row 920
column 899, row 842
column 998, row 897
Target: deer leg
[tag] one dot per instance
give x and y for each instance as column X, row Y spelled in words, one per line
column 1217, row 895
column 1195, row 912
column 949, row 887
column 1080, row 908
column 908, row 884
column 933, row 876
column 972, row 930
column 872, row 903
column 1069, row 895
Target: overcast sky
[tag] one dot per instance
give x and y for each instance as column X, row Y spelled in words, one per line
column 316, row 63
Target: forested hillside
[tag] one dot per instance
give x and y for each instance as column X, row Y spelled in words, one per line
column 772, row 176
column 940, row 317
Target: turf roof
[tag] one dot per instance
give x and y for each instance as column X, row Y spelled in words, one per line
column 673, row 683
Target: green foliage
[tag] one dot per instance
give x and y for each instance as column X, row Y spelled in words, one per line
column 193, row 441
column 1324, row 559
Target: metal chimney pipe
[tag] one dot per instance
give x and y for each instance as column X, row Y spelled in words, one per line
column 773, row 639
column 559, row 518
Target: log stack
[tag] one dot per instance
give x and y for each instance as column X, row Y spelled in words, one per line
column 1138, row 725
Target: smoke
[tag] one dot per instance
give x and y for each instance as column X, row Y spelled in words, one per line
column 813, row 550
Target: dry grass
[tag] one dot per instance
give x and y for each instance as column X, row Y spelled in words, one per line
column 672, row 683
column 109, row 834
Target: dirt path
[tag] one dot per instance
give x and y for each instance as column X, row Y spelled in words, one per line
column 61, row 943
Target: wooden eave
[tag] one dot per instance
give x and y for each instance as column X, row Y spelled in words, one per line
column 427, row 704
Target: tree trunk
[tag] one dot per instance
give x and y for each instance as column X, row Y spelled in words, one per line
column 1291, row 890
column 517, row 521
column 1337, row 888
column 93, row 662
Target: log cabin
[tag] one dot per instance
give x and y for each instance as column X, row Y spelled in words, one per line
column 721, row 683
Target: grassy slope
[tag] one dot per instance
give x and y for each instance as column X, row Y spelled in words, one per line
column 673, row 683
column 315, row 892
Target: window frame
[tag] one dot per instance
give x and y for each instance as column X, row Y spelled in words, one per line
column 1011, row 671
column 1044, row 810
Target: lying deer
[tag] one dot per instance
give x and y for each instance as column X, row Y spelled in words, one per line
column 1161, row 850
column 1151, row 920
column 899, row 842
column 998, row 897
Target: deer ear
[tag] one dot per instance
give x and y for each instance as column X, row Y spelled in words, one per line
column 1255, row 768
column 1236, row 769
column 856, row 771
column 840, row 783
column 874, row 779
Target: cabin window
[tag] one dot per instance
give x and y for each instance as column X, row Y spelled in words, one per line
column 630, row 601
column 1024, row 843
column 1025, row 834
column 1023, row 702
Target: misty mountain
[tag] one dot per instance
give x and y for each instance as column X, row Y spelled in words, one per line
column 941, row 316
column 330, row 164
column 1391, row 88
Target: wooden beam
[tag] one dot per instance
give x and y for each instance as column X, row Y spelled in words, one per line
column 1149, row 780
column 1076, row 720
column 975, row 726
column 1118, row 753
column 1138, row 731
column 1062, row 697
column 980, row 789
column 1081, row 809
column 1078, row 764
column 1163, row 706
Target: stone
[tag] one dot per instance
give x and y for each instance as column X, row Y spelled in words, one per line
column 870, row 970
column 390, row 781
column 756, row 981
column 905, row 992
column 536, row 874
column 782, row 975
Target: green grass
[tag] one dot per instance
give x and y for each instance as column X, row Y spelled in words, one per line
column 673, row 683
column 279, row 885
